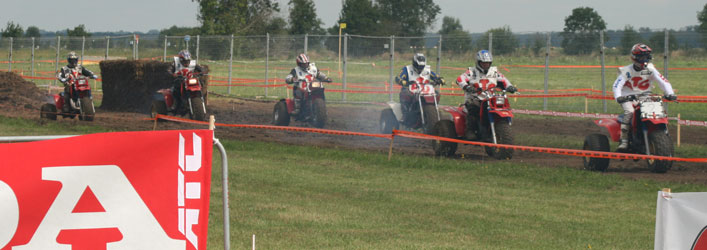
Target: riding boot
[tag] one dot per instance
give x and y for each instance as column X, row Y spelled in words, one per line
column 298, row 107
column 472, row 125
column 623, row 146
column 67, row 104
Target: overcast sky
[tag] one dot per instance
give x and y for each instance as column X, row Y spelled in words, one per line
column 475, row 15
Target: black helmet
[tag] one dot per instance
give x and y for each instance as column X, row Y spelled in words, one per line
column 72, row 59
column 184, row 58
column 419, row 62
column 483, row 56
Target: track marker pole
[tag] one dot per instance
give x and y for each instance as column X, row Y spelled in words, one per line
column 154, row 126
column 678, row 129
column 212, row 122
column 390, row 150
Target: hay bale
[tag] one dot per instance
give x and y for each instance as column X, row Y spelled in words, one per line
column 130, row 85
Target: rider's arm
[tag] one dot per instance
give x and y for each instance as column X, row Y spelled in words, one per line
column 61, row 76
column 663, row 83
column 198, row 69
column 291, row 77
column 88, row 73
column 322, row 77
column 618, row 85
column 403, row 76
column 463, row 80
column 504, row 80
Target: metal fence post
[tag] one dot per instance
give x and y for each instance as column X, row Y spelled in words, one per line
column 547, row 67
column 134, row 44
column 31, row 66
column 197, row 48
column 164, row 53
column 306, row 40
column 230, row 66
column 392, row 64
column 107, row 46
column 83, row 47
column 346, row 50
column 10, row 56
column 491, row 43
column 603, row 69
column 267, row 61
column 56, row 64
column 439, row 54
column 665, row 55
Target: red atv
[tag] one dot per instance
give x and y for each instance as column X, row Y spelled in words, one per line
column 192, row 99
column 648, row 135
column 423, row 113
column 313, row 106
column 80, row 103
column 495, row 116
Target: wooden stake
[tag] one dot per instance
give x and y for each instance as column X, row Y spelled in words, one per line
column 678, row 129
column 586, row 105
column 212, row 121
column 666, row 190
column 390, row 150
column 154, row 126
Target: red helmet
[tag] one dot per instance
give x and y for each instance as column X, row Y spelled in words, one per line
column 184, row 58
column 302, row 61
column 641, row 54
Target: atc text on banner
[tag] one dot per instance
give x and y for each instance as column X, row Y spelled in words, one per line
column 128, row 190
column 681, row 221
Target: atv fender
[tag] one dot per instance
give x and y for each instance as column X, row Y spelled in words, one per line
column 457, row 116
column 613, row 126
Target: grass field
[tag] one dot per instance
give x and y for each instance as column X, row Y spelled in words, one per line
column 305, row 197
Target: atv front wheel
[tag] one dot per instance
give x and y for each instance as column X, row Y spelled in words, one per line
column 503, row 136
column 48, row 111
column 660, row 144
column 388, row 122
column 319, row 114
column 87, row 110
column 445, row 128
column 280, row 117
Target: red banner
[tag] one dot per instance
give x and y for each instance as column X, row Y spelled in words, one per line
column 129, row 190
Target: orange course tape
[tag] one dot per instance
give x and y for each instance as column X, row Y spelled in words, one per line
column 559, row 151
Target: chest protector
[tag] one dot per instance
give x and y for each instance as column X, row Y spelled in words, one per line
column 179, row 68
column 636, row 82
column 483, row 81
column 422, row 77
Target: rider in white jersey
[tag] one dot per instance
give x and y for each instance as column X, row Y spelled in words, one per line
column 636, row 79
column 304, row 68
column 474, row 81
column 408, row 75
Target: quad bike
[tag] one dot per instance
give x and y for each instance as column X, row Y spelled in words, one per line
column 494, row 125
column 423, row 112
column 648, row 134
column 313, row 106
column 80, row 102
column 192, row 98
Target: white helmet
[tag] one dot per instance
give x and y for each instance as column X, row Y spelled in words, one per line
column 419, row 62
column 483, row 56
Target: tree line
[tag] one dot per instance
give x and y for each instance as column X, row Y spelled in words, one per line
column 386, row 18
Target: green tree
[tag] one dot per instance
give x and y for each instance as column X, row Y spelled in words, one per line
column 179, row 31
column 702, row 28
column 32, row 31
column 12, row 30
column 657, row 41
column 361, row 18
column 78, row 31
column 454, row 38
column 303, row 18
column 628, row 39
column 407, row 17
column 539, row 42
column 237, row 17
column 504, row 42
column 581, row 32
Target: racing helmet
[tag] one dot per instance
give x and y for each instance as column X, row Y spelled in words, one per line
column 184, row 58
column 72, row 59
column 483, row 60
column 641, row 55
column 419, row 62
column 302, row 61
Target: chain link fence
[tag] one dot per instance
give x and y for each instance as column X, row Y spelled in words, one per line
column 363, row 67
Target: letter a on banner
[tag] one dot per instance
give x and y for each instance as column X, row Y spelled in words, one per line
column 130, row 190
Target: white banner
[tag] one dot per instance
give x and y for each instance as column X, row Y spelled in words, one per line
column 681, row 220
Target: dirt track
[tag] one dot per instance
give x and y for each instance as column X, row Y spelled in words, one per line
column 364, row 118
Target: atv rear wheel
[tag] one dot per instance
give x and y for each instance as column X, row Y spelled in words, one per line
column 319, row 114
column 158, row 108
column 431, row 117
column 660, row 144
column 388, row 121
column 48, row 111
column 445, row 128
column 503, row 136
column 280, row 117
column 198, row 109
column 87, row 110
column 596, row 142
